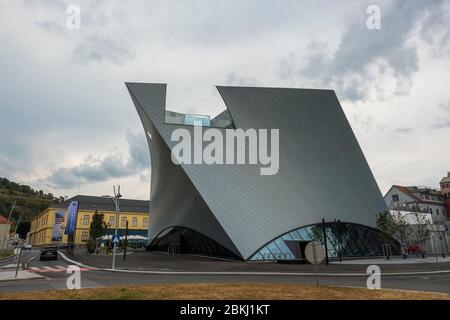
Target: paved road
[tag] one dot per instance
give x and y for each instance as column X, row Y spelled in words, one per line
column 25, row 256
column 55, row 277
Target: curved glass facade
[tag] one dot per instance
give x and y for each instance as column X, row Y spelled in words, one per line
column 185, row 240
column 344, row 240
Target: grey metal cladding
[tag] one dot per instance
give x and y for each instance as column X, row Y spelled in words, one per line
column 175, row 201
column 322, row 170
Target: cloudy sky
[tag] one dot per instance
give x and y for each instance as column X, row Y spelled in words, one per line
column 68, row 126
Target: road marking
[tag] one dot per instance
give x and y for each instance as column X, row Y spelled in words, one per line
column 53, row 269
column 29, row 260
column 75, row 262
column 61, row 267
column 254, row 273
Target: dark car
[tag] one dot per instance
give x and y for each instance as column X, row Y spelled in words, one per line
column 49, row 253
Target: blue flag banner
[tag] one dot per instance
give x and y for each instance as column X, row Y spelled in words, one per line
column 57, row 226
column 71, row 217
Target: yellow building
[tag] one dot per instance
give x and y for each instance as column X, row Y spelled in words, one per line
column 44, row 231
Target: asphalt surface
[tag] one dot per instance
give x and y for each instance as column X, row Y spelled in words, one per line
column 54, row 274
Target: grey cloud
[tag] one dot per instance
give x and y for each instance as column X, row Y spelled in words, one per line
column 287, row 67
column 94, row 170
column 97, row 48
column 445, row 107
column 139, row 154
column 50, row 26
column 145, row 177
column 232, row 79
column 366, row 58
column 443, row 121
column 435, row 31
column 45, row 3
column 98, row 40
column 365, row 122
column 404, row 130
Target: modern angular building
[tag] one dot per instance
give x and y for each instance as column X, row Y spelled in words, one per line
column 234, row 211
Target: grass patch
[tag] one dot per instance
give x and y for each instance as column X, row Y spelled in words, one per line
column 224, row 291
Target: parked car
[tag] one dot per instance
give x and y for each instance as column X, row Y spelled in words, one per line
column 49, row 253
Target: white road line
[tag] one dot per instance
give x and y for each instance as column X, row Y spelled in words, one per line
column 61, row 267
column 51, row 269
column 75, row 262
column 29, row 260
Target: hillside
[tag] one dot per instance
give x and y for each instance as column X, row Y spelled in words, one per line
column 29, row 202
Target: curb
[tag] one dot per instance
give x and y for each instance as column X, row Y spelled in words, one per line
column 18, row 279
column 249, row 273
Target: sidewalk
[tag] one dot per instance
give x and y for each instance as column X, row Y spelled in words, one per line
column 22, row 275
column 396, row 260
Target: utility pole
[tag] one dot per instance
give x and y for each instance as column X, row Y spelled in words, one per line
column 17, row 225
column 116, row 198
column 125, row 243
column 5, row 238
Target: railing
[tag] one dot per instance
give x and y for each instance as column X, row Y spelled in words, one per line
column 277, row 256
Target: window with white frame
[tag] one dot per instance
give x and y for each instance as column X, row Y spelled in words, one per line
column 134, row 222
column 84, row 236
column 111, row 221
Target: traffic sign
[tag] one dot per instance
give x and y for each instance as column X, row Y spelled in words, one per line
column 116, row 238
column 314, row 252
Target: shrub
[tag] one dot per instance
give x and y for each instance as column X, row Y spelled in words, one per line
column 90, row 245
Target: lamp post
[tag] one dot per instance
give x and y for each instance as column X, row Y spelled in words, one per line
column 325, row 240
column 116, row 198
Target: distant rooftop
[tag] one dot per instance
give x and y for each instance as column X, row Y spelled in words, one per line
column 105, row 204
column 447, row 178
column 421, row 193
column 3, row 220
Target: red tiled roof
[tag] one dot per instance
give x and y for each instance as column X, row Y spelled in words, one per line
column 408, row 192
column 3, row 220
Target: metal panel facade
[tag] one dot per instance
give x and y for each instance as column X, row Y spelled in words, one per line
column 322, row 170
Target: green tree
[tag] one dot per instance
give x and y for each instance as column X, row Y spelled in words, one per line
column 98, row 226
column 385, row 223
column 423, row 230
column 401, row 228
column 96, row 230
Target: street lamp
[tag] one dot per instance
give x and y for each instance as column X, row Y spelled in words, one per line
column 115, row 200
